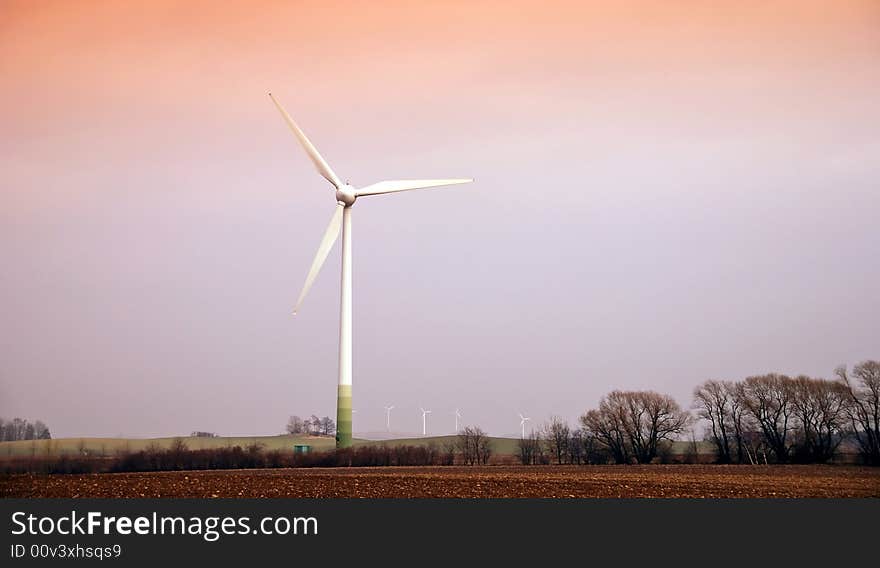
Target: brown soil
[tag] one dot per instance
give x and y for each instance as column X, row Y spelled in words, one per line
column 465, row 482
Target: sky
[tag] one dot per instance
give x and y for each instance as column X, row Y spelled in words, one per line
column 666, row 192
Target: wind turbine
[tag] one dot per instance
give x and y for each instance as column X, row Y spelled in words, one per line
column 388, row 410
column 522, row 424
column 425, row 414
column 346, row 195
column 457, row 418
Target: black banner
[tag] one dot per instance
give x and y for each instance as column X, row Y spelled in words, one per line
column 148, row 532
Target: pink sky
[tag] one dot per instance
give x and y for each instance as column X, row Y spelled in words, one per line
column 666, row 192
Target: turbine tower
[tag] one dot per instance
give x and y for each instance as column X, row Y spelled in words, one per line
column 345, row 196
column 388, row 410
column 425, row 414
column 522, row 424
column 457, row 418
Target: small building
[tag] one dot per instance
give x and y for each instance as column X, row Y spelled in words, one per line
column 301, row 448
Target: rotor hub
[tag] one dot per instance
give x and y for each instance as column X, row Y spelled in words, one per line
column 346, row 195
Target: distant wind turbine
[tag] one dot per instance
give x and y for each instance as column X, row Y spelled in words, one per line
column 388, row 410
column 346, row 195
column 522, row 424
column 457, row 418
column 425, row 414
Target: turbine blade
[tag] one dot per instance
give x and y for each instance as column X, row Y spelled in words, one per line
column 406, row 185
column 330, row 236
column 320, row 163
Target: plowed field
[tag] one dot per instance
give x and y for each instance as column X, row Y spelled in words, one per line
column 465, row 482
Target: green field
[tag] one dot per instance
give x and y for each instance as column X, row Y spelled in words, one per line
column 113, row 446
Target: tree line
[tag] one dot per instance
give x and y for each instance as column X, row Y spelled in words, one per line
column 793, row 419
column 313, row 425
column 471, row 447
column 759, row 419
column 21, row 429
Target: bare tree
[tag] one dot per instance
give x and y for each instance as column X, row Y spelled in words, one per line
column 691, row 454
column 740, row 421
column 863, row 411
column 41, row 431
column 713, row 400
column 432, row 453
column 720, row 403
column 484, row 448
column 295, row 425
column 314, row 425
column 328, row 426
column 448, row 452
column 21, row 429
column 575, row 446
column 531, row 449
column 176, row 453
column 820, row 407
column 557, row 434
column 593, row 451
column 17, row 427
column 202, row 434
column 526, row 451
column 769, row 400
column 474, row 446
column 633, row 423
column 465, row 446
column 652, row 418
column 606, row 427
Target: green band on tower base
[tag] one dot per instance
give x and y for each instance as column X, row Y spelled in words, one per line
column 343, row 417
